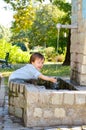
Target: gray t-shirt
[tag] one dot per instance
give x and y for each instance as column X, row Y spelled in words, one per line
column 27, row 72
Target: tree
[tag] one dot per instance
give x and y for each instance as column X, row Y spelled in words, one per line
column 23, row 19
column 67, row 57
column 16, row 4
column 5, row 33
column 66, row 7
column 21, row 40
column 43, row 31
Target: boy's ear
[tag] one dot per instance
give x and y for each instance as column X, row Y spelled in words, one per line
column 32, row 62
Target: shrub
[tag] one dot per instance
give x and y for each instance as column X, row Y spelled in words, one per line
column 16, row 55
column 60, row 58
column 49, row 53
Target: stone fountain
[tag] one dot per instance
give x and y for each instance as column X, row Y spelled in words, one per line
column 38, row 106
column 78, row 42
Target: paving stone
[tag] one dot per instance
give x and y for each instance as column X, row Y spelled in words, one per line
column 38, row 128
column 84, row 127
column 58, row 128
column 52, row 129
column 76, row 128
column 2, row 93
column 10, row 128
column 17, row 128
column 65, row 129
column 1, row 127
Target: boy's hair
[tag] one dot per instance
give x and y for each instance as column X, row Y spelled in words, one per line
column 36, row 55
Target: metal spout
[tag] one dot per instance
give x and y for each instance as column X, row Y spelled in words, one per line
column 72, row 26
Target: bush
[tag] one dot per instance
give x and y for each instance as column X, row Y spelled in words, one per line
column 60, row 58
column 21, row 45
column 16, row 55
column 49, row 53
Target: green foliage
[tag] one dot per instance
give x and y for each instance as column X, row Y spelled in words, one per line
column 23, row 19
column 65, row 7
column 60, row 58
column 20, row 39
column 5, row 33
column 62, row 42
column 21, row 45
column 16, row 55
column 4, row 48
column 56, row 70
column 16, row 4
column 43, row 31
column 50, row 53
column 37, row 24
column 37, row 49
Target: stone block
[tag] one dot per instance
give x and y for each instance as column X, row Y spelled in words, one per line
column 69, row 98
column 31, row 94
column 44, row 97
column 11, row 86
column 57, row 98
column 80, row 98
column 22, row 88
column 37, row 113
column 18, row 112
column 48, row 114
column 15, row 87
column 59, row 113
column 11, row 101
column 11, row 110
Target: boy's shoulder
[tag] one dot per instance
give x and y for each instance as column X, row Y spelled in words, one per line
column 29, row 65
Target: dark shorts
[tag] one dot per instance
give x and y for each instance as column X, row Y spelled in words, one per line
column 17, row 80
column 31, row 81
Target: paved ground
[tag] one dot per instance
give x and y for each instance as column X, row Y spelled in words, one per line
column 9, row 122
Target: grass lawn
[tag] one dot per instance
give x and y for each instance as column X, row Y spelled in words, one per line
column 56, row 70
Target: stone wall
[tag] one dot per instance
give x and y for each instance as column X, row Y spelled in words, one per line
column 78, row 42
column 38, row 106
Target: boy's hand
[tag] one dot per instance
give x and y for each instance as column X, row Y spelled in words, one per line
column 54, row 80
column 47, row 78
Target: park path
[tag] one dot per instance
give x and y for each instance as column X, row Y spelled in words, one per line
column 9, row 122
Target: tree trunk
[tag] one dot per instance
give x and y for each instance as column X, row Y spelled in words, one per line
column 67, row 57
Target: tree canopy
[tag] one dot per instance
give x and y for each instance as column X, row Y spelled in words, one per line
column 5, row 33
column 37, row 22
column 43, row 31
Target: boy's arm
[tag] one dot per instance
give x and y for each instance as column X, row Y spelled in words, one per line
column 51, row 79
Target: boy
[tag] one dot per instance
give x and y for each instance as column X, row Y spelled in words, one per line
column 32, row 70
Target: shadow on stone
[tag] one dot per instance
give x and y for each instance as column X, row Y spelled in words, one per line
column 61, row 84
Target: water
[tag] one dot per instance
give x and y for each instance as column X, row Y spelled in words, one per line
column 57, row 45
